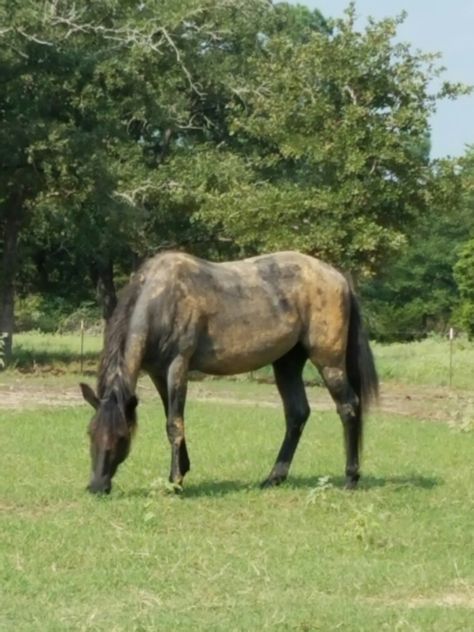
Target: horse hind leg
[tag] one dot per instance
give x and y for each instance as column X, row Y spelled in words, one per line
column 289, row 380
column 349, row 410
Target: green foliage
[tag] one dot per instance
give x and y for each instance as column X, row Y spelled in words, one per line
column 464, row 274
column 51, row 314
column 333, row 136
column 463, row 268
column 416, row 293
column 224, row 128
column 36, row 312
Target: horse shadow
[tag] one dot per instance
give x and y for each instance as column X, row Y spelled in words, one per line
column 396, row 483
column 216, row 488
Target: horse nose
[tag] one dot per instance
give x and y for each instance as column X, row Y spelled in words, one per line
column 100, row 486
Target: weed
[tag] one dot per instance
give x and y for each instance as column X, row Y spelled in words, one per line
column 462, row 416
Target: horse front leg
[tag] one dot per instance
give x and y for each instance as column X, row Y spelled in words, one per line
column 177, row 380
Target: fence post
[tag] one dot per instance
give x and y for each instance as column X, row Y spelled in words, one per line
column 451, row 338
column 82, row 347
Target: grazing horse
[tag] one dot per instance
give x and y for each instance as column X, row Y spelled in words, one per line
column 181, row 313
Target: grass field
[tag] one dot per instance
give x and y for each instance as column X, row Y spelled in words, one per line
column 395, row 555
column 425, row 362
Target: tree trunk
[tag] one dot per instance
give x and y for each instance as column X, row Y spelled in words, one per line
column 105, row 287
column 12, row 225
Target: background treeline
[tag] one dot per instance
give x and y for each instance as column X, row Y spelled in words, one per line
column 225, row 128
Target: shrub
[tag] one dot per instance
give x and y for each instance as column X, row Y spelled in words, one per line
column 391, row 323
column 463, row 273
column 52, row 314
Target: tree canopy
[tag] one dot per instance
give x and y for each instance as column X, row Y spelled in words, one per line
column 223, row 127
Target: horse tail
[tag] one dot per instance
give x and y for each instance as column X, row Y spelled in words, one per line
column 360, row 364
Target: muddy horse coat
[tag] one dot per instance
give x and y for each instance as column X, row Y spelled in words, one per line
column 181, row 313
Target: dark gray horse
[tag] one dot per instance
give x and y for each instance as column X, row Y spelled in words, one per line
column 181, row 313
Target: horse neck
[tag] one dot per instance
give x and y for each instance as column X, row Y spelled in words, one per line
column 123, row 348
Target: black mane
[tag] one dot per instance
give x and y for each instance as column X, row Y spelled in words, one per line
column 112, row 375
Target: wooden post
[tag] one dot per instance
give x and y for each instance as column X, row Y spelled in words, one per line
column 82, row 347
column 451, row 338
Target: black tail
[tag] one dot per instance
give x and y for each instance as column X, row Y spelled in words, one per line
column 360, row 363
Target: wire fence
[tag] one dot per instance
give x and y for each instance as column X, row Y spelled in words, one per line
column 444, row 360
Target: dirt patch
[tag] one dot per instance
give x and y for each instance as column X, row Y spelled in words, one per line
column 458, row 597
column 421, row 402
column 24, row 396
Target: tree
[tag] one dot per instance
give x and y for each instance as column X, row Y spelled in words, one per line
column 416, row 291
column 223, row 127
column 464, row 266
column 464, row 275
column 97, row 97
column 333, row 153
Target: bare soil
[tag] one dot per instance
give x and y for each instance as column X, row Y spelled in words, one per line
column 421, row 402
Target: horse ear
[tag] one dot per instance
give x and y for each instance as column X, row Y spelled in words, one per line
column 89, row 395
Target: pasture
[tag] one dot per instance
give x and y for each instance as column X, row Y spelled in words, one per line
column 224, row 555
column 426, row 362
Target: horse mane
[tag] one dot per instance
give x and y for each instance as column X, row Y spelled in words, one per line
column 112, row 373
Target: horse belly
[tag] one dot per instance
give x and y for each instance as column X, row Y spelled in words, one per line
column 241, row 348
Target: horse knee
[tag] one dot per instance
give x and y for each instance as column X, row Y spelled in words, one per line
column 297, row 419
column 175, row 430
column 304, row 413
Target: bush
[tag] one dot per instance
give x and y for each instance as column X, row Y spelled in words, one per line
column 41, row 313
column 463, row 317
column 463, row 273
column 390, row 323
column 87, row 313
column 53, row 314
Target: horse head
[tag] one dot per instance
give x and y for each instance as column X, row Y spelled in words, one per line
column 110, row 430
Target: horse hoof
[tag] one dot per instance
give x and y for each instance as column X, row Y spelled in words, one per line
column 174, row 488
column 351, row 485
column 271, row 482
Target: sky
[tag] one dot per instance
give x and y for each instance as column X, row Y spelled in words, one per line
column 431, row 26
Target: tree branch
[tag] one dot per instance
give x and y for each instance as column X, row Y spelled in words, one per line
column 144, row 38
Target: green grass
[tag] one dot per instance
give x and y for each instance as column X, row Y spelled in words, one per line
column 36, row 350
column 426, row 362
column 395, row 555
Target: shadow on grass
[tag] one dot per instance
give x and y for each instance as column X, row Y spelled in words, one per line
column 216, row 488
column 399, row 482
column 366, row 482
column 190, row 490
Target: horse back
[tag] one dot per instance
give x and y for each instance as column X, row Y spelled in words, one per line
column 236, row 316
